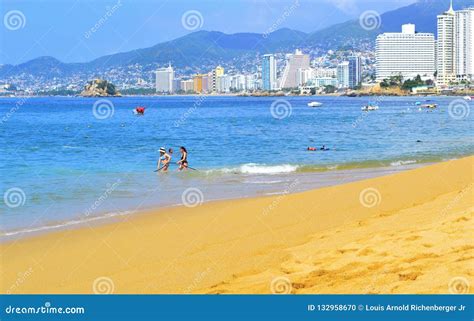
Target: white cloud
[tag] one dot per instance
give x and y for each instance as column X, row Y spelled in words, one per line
column 347, row 6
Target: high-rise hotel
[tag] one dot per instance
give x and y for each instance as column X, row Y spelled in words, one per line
column 355, row 71
column 405, row 54
column 216, row 75
column 343, row 74
column 269, row 72
column 455, row 46
column 164, row 80
column 296, row 63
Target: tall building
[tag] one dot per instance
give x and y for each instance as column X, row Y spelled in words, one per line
column 303, row 76
column 206, row 80
column 243, row 82
column 197, row 83
column 445, row 47
column 176, row 84
column 343, row 74
column 324, row 81
column 269, row 72
column 187, row 85
column 295, row 61
column 215, row 74
column 464, row 44
column 237, row 83
column 405, row 54
column 223, row 83
column 164, row 80
column 323, row 72
column 252, row 82
column 455, row 46
column 355, row 71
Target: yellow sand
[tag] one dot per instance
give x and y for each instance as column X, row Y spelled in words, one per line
column 416, row 238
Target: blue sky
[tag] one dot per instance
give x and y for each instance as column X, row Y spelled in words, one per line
column 82, row 30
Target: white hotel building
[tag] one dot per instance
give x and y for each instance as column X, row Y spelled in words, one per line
column 464, row 44
column 295, row 63
column 164, row 80
column 343, row 74
column 455, row 46
column 405, row 53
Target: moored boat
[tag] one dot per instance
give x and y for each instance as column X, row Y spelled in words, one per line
column 314, row 104
column 370, row 107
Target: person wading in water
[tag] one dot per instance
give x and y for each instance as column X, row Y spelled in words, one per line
column 183, row 162
column 165, row 159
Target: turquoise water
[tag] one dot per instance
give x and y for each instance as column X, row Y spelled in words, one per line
column 66, row 164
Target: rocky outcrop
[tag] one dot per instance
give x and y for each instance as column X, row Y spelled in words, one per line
column 99, row 88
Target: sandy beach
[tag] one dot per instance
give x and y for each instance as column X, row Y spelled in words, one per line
column 410, row 232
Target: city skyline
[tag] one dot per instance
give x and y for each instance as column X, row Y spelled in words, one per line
column 407, row 54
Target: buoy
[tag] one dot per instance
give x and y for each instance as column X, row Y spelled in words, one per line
column 139, row 110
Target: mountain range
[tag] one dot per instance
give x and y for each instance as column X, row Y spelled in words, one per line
column 203, row 48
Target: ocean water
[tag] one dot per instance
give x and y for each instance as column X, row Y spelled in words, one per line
column 66, row 160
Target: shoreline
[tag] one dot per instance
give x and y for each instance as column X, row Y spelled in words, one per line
column 313, row 239
column 240, row 95
column 345, row 175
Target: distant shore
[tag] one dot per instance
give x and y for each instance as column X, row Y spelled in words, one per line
column 260, row 96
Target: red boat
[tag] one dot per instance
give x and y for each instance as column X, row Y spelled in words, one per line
column 140, row 110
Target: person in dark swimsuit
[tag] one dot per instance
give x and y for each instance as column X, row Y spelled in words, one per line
column 183, row 162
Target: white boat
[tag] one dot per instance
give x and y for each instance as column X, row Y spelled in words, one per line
column 370, row 108
column 314, row 104
column 469, row 98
